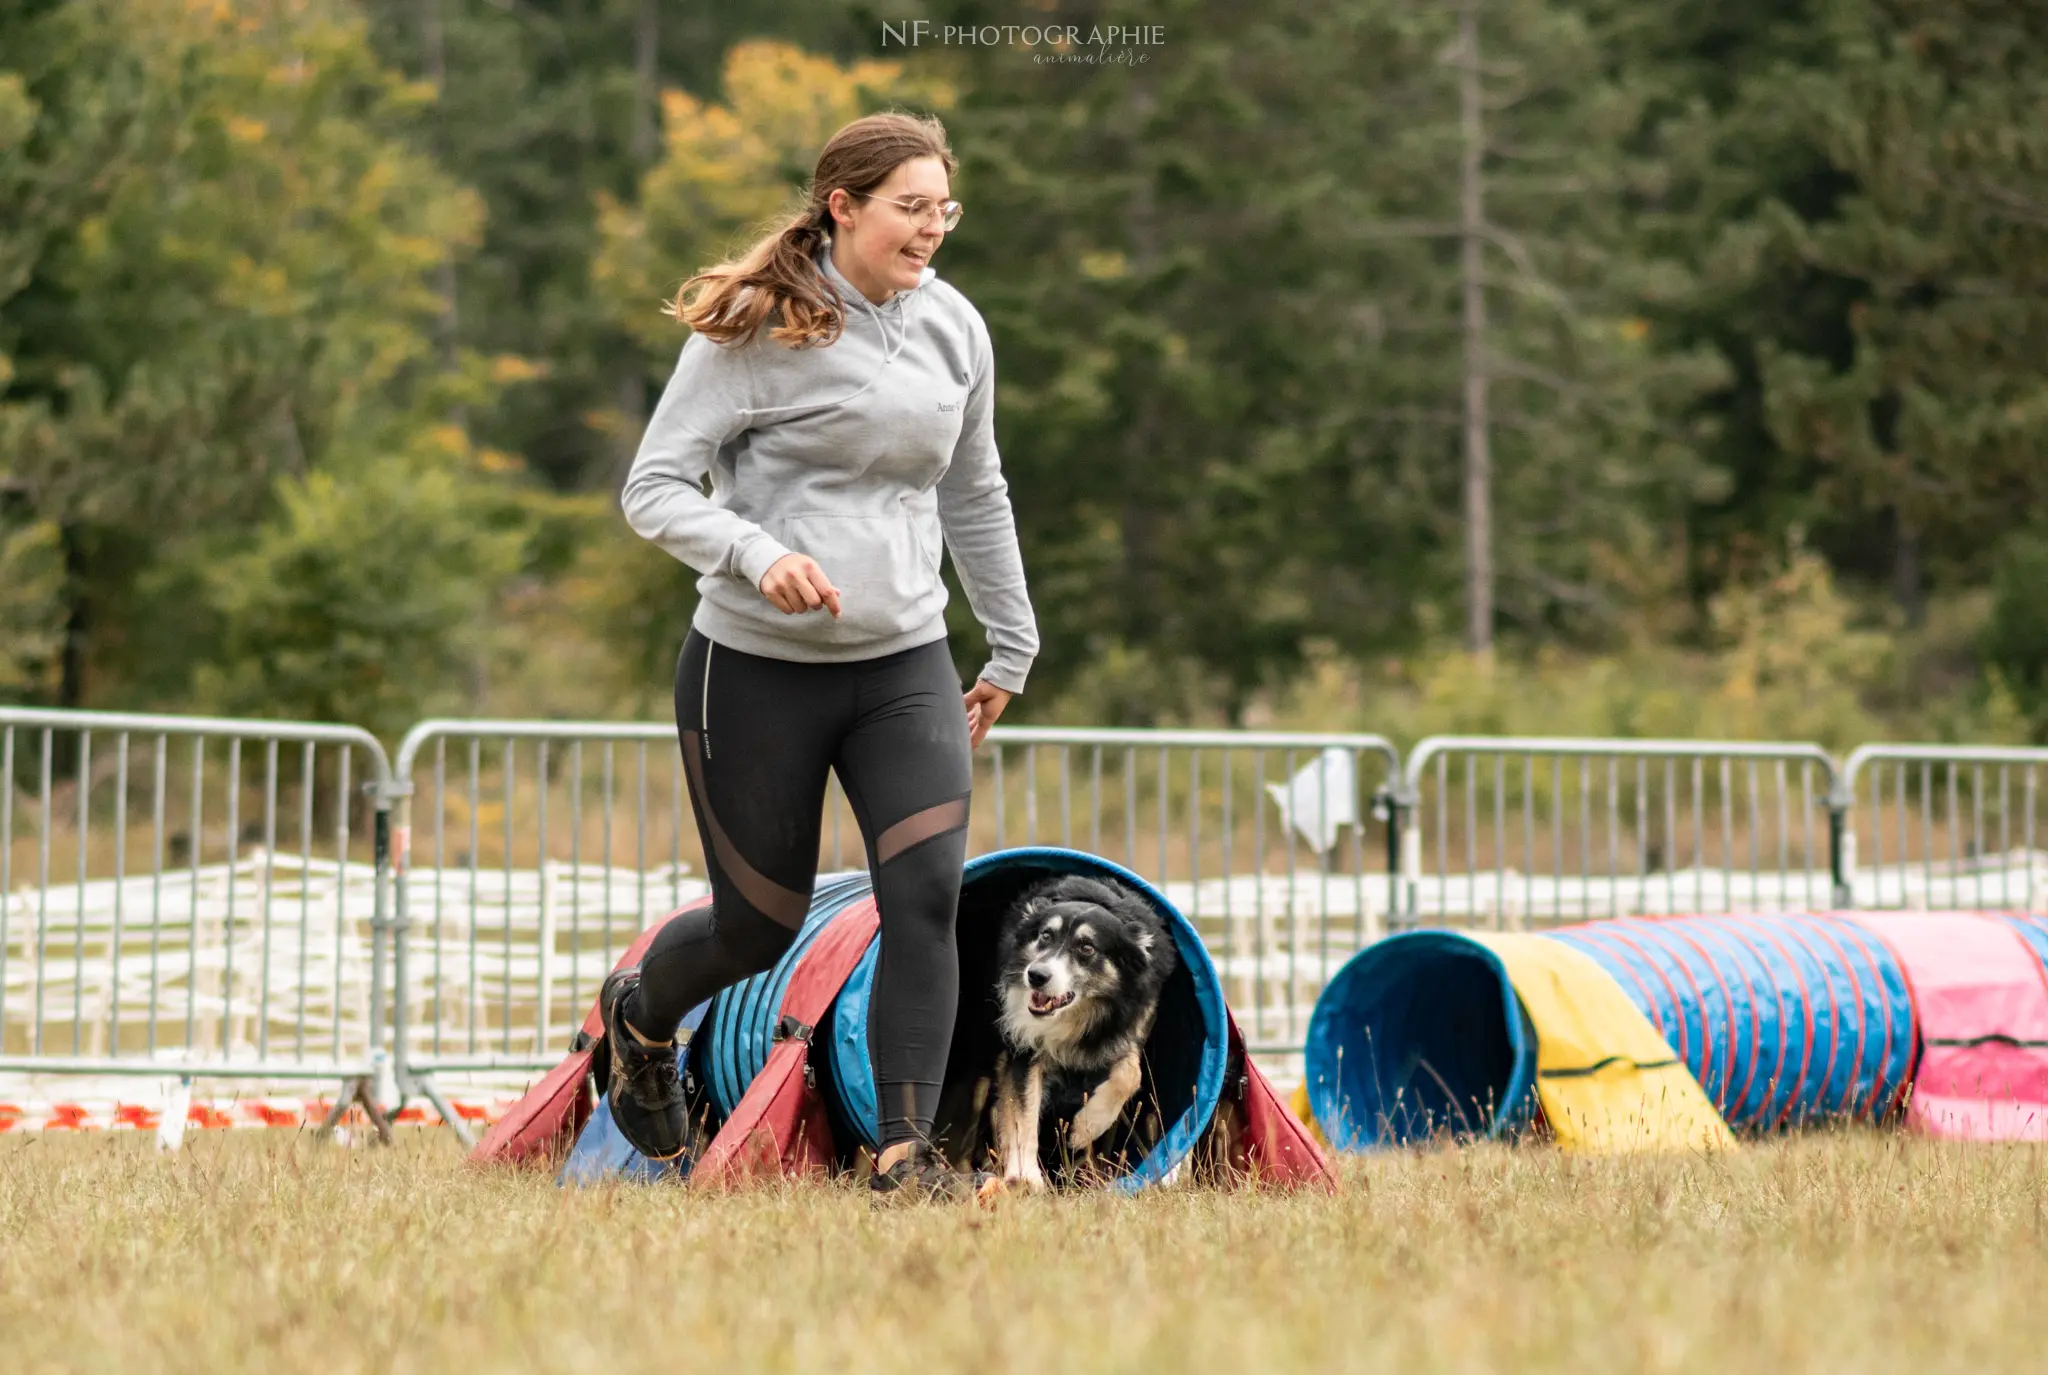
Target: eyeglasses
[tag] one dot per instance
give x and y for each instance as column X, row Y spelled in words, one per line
column 921, row 209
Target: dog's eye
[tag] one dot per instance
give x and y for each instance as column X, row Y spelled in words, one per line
column 1085, row 951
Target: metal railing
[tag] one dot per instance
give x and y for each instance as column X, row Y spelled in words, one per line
column 200, row 898
column 1945, row 826
column 526, row 855
column 1514, row 832
column 186, row 897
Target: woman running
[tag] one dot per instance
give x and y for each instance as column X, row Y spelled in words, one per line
column 842, row 400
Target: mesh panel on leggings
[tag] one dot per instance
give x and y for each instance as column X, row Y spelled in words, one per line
column 784, row 905
column 919, row 827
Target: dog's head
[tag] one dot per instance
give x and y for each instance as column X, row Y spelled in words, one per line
column 1077, row 953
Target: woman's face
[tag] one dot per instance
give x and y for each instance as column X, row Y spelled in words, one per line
column 875, row 243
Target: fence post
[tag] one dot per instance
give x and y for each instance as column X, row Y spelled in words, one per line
column 1841, row 841
column 380, row 944
column 1393, row 802
column 373, row 1091
column 410, row 1081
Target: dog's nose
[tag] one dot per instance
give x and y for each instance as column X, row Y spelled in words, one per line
column 1036, row 977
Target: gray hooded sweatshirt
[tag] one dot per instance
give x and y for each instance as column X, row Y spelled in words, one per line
column 862, row 454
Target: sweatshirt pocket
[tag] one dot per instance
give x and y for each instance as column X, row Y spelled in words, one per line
column 883, row 573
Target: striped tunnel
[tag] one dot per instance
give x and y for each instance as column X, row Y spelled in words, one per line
column 1783, row 1018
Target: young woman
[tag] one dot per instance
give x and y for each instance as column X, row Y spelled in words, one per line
column 841, row 398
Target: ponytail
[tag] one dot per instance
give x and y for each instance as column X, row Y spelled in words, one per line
column 776, row 279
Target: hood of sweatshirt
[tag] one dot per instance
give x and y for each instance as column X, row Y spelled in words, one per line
column 890, row 320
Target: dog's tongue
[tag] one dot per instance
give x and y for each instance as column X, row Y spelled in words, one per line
column 1044, row 1002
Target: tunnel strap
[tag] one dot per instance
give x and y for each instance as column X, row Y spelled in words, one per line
column 1581, row 1071
column 1989, row 1038
column 788, row 1028
column 1607, row 1079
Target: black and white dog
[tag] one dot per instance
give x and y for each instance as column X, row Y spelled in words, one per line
column 1080, row 965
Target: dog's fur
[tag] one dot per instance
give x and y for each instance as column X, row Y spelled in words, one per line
column 1080, row 964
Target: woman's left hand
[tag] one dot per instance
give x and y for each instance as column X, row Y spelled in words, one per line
column 985, row 702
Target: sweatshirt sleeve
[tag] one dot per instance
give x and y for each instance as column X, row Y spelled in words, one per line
column 981, row 531
column 704, row 406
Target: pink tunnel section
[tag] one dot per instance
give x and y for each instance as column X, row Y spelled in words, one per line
column 1982, row 1000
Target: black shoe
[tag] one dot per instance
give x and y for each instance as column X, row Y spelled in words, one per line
column 923, row 1177
column 646, row 1094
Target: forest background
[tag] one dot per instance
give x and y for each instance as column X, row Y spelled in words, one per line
column 1668, row 367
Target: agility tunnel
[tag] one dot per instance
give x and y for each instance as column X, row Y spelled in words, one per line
column 1627, row 1034
column 779, row 1062
column 1768, row 1020
column 1184, row 1058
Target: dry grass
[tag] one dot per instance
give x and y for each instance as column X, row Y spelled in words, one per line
column 1827, row 1253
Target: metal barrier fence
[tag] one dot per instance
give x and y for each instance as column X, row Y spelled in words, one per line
column 183, row 897
column 526, row 855
column 1945, row 826
column 1513, row 832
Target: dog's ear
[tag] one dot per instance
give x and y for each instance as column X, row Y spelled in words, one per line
column 1165, row 954
column 1146, row 928
column 1075, row 888
column 1141, row 931
column 1043, row 893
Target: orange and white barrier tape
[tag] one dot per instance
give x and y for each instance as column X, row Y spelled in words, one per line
column 112, row 1115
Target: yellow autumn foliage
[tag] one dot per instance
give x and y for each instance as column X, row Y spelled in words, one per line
column 729, row 168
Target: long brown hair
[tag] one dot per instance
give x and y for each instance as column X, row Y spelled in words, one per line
column 777, row 277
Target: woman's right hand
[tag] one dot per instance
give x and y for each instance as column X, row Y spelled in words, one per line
column 796, row 584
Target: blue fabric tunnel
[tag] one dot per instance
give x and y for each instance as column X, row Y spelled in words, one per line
column 1185, row 1059
column 1784, row 1018
column 1419, row 1034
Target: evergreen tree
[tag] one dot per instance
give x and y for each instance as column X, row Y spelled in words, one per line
column 1859, row 183
column 218, row 285
column 1937, row 419
column 1232, row 301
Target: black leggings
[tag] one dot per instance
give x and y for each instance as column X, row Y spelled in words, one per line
column 757, row 736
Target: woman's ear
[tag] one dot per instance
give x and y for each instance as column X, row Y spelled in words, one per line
column 838, row 208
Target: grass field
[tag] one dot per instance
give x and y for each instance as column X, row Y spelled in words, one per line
column 1832, row 1252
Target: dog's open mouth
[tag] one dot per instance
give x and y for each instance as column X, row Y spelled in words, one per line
column 1044, row 1004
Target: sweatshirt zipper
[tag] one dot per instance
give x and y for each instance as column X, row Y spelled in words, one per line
column 705, row 712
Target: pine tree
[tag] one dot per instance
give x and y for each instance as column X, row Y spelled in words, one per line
column 1238, row 336
column 217, row 286
column 1937, row 419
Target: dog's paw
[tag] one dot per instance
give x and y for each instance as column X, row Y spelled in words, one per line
column 1031, row 1181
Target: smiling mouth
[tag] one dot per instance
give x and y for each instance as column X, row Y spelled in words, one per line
column 1044, row 1005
